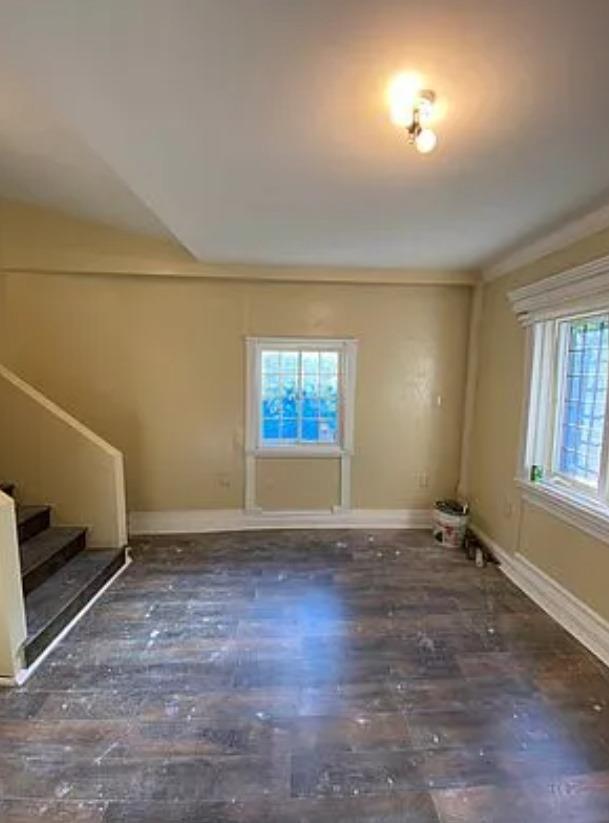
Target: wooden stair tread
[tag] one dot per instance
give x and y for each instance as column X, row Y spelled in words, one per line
column 53, row 604
column 59, row 575
column 25, row 513
column 31, row 520
column 46, row 552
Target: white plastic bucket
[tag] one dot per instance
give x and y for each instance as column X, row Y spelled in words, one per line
column 449, row 529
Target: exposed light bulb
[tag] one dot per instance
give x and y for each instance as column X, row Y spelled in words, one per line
column 425, row 141
column 404, row 88
column 412, row 107
column 401, row 116
column 402, row 93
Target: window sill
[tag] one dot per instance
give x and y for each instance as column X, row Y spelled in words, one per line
column 577, row 510
column 299, row 451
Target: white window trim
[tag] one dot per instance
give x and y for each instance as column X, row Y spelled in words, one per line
column 582, row 290
column 342, row 451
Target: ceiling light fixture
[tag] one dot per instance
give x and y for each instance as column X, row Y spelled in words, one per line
column 412, row 108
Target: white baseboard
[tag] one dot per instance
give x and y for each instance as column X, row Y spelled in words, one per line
column 570, row 612
column 193, row 521
column 24, row 674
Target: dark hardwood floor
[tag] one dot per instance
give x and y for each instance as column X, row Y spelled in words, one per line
column 309, row 677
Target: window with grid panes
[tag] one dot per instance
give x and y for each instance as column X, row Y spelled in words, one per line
column 298, row 399
column 584, row 350
column 568, row 422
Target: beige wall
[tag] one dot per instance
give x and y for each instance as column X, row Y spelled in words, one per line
column 145, row 346
column 156, row 367
column 297, row 484
column 52, row 458
column 577, row 561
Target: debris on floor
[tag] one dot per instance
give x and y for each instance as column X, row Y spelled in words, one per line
column 477, row 551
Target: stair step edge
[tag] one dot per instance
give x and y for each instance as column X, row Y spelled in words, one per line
column 32, row 520
column 27, row 512
column 79, row 580
column 46, row 553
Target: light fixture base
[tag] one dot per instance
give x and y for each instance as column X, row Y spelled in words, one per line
column 427, row 95
column 419, row 134
column 412, row 109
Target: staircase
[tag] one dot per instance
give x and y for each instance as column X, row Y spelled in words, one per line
column 59, row 574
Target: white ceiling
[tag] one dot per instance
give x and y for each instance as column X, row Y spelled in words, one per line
column 44, row 162
column 256, row 130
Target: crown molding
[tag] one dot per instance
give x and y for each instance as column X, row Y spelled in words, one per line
column 570, row 232
column 244, row 272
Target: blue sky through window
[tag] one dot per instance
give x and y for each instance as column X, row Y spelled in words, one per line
column 299, row 397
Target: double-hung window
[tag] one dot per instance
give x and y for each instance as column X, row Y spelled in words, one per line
column 300, row 396
column 568, row 432
column 564, row 464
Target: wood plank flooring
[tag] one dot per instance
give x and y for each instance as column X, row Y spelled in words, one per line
column 309, row 676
